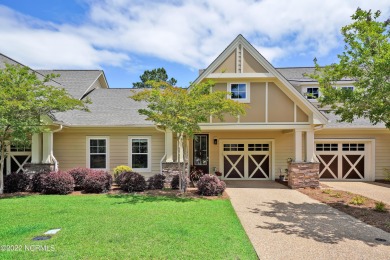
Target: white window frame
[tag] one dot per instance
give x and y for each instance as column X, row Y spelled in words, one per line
column 304, row 92
column 347, row 87
column 130, row 149
column 107, row 138
column 247, row 90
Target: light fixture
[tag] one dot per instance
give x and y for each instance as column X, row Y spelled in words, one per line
column 215, row 140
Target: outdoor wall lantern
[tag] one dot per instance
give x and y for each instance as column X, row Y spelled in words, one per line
column 215, row 140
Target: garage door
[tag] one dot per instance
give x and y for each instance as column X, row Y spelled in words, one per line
column 246, row 159
column 343, row 160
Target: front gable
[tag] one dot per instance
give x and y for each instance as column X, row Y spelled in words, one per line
column 271, row 98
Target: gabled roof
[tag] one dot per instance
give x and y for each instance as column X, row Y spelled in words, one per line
column 110, row 107
column 271, row 70
column 77, row 82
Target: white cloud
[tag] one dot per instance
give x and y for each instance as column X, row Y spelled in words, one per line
column 191, row 32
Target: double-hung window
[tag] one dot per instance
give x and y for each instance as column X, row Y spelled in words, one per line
column 312, row 93
column 97, row 152
column 140, row 153
column 239, row 92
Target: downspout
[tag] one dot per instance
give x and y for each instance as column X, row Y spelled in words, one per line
column 165, row 154
column 51, row 151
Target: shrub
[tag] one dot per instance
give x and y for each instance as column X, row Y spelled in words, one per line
column 37, row 181
column 121, row 169
column 156, row 182
column 196, row 174
column 16, row 182
column 210, row 185
column 380, row 206
column 175, row 182
column 358, row 200
column 97, row 181
column 132, row 181
column 58, row 183
column 386, row 172
column 78, row 175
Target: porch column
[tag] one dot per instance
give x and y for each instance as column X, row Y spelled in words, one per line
column 298, row 145
column 310, row 157
column 169, row 146
column 36, row 148
column 47, row 147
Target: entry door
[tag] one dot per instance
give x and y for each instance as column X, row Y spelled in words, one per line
column 201, row 152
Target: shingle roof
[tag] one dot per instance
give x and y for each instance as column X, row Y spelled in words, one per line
column 297, row 74
column 76, row 82
column 357, row 123
column 110, row 107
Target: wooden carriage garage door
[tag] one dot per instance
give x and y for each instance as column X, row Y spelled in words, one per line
column 343, row 160
column 246, row 159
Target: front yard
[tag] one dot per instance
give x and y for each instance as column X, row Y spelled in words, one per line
column 121, row 227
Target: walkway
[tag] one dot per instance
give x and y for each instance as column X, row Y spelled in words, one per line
column 373, row 190
column 286, row 224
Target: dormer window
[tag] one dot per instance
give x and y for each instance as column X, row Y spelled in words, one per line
column 239, row 92
column 312, row 93
column 347, row 88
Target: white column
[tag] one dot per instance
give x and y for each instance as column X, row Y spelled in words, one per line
column 310, row 157
column 298, row 146
column 169, row 145
column 47, row 147
column 36, row 148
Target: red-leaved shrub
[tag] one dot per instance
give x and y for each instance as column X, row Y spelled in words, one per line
column 97, row 181
column 58, row 183
column 16, row 182
column 78, row 175
column 156, row 182
column 37, row 181
column 132, row 181
column 210, row 185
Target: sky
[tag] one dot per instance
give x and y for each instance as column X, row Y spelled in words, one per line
column 127, row 37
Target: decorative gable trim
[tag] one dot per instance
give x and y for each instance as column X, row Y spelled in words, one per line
column 239, row 44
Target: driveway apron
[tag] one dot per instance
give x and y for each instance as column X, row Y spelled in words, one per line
column 286, row 224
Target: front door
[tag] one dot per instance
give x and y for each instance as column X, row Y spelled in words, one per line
column 201, row 152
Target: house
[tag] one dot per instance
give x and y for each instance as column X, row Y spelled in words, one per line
column 283, row 121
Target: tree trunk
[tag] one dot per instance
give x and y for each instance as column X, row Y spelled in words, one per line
column 2, row 167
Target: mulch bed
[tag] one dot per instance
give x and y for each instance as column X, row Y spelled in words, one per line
column 340, row 200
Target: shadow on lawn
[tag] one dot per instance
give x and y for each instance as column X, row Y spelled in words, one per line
column 317, row 222
column 15, row 195
column 135, row 198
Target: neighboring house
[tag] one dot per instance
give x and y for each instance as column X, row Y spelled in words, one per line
column 282, row 121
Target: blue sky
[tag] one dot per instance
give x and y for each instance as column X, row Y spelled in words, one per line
column 126, row 37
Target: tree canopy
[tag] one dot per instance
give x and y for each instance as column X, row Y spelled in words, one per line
column 181, row 110
column 155, row 75
column 366, row 61
column 24, row 99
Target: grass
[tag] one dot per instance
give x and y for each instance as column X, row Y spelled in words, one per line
column 123, row 227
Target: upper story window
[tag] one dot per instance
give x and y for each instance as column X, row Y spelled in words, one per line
column 240, row 92
column 347, row 88
column 97, row 152
column 312, row 92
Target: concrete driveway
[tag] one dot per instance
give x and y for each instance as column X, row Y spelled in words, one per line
column 286, row 224
column 373, row 190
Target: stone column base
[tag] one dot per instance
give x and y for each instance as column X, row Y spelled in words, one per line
column 302, row 175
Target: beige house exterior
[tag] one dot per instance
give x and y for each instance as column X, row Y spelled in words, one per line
column 282, row 122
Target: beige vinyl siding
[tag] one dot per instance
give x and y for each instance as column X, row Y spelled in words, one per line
column 256, row 110
column 280, row 106
column 301, row 116
column 70, row 146
column 382, row 144
column 227, row 118
column 284, row 145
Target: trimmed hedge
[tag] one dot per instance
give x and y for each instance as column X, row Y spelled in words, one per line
column 210, row 185
column 156, row 182
column 97, row 181
column 120, row 169
column 78, row 175
column 175, row 182
column 58, row 183
column 132, row 181
column 16, row 182
column 37, row 181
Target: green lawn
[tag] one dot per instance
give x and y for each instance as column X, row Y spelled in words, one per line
column 122, row 227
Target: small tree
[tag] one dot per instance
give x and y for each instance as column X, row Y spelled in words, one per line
column 366, row 61
column 181, row 110
column 155, row 75
column 24, row 98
